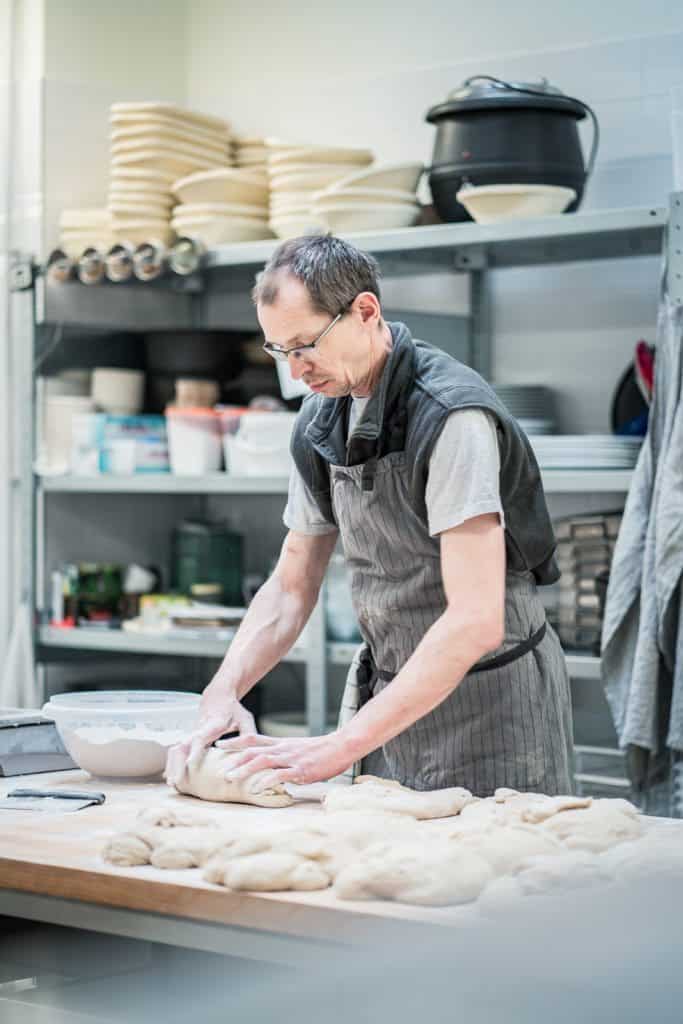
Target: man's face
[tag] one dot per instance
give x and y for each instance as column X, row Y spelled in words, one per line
column 335, row 366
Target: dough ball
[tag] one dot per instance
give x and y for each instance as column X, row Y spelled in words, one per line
column 205, row 779
column 171, row 815
column 132, row 848
column 500, row 895
column 435, row 874
column 381, row 795
column 570, row 870
column 507, row 807
column 266, row 872
column 507, row 848
column 605, row 823
column 188, row 847
column 651, row 856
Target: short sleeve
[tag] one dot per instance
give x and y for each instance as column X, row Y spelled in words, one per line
column 464, row 471
column 301, row 512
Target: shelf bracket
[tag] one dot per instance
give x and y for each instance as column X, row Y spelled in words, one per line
column 472, row 257
column 674, row 243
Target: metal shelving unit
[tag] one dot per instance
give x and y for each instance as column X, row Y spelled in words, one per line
column 209, row 298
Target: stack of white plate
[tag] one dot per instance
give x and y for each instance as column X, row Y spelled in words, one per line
column 297, row 173
column 532, row 405
column 222, row 205
column 371, row 200
column 152, row 145
column 84, row 229
column 252, row 152
column 586, row 451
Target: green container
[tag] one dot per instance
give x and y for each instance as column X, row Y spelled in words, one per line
column 207, row 552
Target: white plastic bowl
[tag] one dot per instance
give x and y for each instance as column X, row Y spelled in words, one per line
column 219, row 230
column 362, row 217
column 122, row 734
column 398, row 176
column 490, row 203
column 226, row 185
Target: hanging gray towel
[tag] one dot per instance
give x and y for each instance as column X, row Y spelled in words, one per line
column 642, row 638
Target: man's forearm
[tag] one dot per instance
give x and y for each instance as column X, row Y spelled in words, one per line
column 270, row 627
column 437, row 666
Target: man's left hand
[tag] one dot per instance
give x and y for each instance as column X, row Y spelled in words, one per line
column 297, row 760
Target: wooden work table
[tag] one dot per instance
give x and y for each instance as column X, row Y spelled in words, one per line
column 51, row 870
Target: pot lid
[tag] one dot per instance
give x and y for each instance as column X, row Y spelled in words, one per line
column 481, row 93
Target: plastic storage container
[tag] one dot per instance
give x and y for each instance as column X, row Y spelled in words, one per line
column 194, row 441
column 261, row 445
column 122, row 734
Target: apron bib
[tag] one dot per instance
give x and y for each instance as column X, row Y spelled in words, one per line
column 508, row 723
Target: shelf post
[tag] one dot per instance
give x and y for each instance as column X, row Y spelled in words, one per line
column 481, row 348
column 674, row 243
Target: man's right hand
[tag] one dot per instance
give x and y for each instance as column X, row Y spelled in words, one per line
column 218, row 715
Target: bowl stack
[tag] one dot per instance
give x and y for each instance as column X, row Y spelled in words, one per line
column 251, row 152
column 297, row 173
column 85, row 229
column 370, row 200
column 221, row 206
column 152, row 145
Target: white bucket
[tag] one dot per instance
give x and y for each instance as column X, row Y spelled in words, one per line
column 245, row 459
column 267, row 428
column 194, row 441
column 57, row 431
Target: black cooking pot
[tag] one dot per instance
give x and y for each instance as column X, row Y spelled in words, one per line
column 490, row 132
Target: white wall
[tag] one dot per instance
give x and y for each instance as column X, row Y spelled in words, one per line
column 367, row 73
column 95, row 54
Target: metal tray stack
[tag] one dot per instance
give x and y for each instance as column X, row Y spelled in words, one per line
column 585, row 544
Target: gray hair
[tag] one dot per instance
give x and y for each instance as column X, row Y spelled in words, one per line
column 333, row 272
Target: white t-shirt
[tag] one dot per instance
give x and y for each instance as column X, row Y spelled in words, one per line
column 462, row 482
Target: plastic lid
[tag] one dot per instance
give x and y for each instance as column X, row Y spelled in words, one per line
column 121, row 700
column 190, row 410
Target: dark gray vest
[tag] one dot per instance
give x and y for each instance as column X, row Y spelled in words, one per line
column 420, row 386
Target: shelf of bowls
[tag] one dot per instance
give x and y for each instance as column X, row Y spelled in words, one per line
column 176, row 174
column 92, row 423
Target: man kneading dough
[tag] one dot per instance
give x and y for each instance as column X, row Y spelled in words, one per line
column 410, row 460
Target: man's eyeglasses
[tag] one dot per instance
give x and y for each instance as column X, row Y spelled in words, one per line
column 299, row 351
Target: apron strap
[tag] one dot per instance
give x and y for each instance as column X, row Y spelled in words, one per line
column 513, row 654
column 499, row 661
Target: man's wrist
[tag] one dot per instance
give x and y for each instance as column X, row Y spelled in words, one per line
column 357, row 741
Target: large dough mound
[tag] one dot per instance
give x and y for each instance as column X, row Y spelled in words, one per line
column 605, row 823
column 370, row 794
column 433, row 874
column 205, row 778
column 507, row 848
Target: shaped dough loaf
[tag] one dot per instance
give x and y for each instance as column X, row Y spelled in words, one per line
column 205, row 778
column 507, row 807
column 372, row 794
column 266, row 872
column 434, row 874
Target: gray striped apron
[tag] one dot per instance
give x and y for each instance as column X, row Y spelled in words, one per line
column 507, row 725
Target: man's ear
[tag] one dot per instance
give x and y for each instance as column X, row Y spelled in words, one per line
column 367, row 305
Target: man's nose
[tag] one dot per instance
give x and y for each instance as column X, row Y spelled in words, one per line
column 298, row 367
